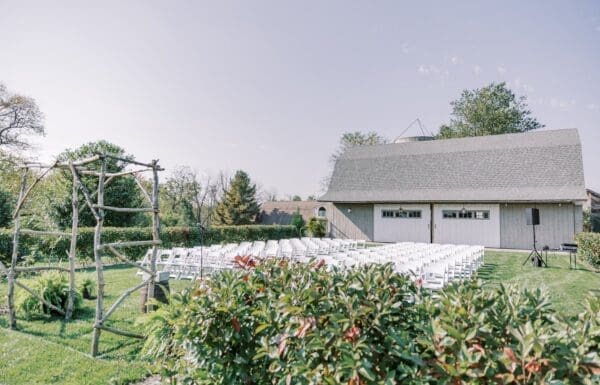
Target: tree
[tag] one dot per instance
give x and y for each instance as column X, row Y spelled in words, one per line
column 298, row 222
column 183, row 200
column 296, row 198
column 355, row 139
column 120, row 192
column 6, row 208
column 20, row 117
column 238, row 205
column 490, row 110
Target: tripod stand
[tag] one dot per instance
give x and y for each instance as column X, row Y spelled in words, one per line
column 535, row 256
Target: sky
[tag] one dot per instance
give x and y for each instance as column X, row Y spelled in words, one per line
column 270, row 86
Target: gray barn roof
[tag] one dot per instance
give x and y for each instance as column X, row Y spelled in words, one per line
column 533, row 166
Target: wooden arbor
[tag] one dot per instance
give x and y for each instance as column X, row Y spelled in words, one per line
column 98, row 209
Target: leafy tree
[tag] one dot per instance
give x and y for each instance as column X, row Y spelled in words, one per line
column 120, row 192
column 238, row 206
column 298, row 222
column 296, row 198
column 490, row 110
column 6, row 208
column 20, row 117
column 183, row 201
column 355, row 139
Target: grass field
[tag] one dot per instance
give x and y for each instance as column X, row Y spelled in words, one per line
column 41, row 347
column 48, row 351
column 567, row 287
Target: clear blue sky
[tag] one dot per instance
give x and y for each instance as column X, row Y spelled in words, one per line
column 269, row 86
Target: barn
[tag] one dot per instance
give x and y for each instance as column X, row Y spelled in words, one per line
column 462, row 191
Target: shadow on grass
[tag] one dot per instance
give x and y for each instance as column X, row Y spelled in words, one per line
column 131, row 354
column 487, row 271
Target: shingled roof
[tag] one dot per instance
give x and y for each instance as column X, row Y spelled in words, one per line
column 533, row 166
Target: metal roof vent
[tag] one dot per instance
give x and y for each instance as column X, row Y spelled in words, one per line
column 425, row 134
column 413, row 139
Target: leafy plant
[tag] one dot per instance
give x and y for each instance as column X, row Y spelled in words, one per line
column 298, row 222
column 588, row 247
column 281, row 323
column 54, row 288
column 316, row 227
column 86, row 287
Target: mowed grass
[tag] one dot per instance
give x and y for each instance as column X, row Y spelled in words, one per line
column 567, row 287
column 54, row 351
column 28, row 359
column 44, row 343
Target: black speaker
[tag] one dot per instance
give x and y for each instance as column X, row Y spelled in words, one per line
column 533, row 216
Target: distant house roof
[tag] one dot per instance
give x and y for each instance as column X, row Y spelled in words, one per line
column 280, row 212
column 533, row 166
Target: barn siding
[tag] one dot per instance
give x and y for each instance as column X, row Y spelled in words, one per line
column 558, row 224
column 356, row 224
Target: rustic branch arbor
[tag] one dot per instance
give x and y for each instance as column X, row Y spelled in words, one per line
column 98, row 210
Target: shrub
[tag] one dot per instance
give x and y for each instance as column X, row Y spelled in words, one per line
column 51, row 248
column 276, row 323
column 86, row 287
column 298, row 222
column 316, row 227
column 588, row 248
column 300, row 324
column 54, row 288
column 507, row 336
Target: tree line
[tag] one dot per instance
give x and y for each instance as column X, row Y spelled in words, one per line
column 185, row 199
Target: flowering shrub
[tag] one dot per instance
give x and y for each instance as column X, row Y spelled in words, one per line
column 285, row 323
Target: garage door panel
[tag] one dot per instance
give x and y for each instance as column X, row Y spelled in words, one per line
column 404, row 227
column 477, row 224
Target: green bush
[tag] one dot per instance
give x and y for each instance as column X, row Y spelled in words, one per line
column 277, row 323
column 87, row 285
column 588, row 248
column 52, row 248
column 507, row 336
column 316, row 227
column 301, row 324
column 54, row 288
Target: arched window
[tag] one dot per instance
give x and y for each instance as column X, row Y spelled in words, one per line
column 321, row 212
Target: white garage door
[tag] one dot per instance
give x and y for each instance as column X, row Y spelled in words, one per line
column 401, row 223
column 470, row 224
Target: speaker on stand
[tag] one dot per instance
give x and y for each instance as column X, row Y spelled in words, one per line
column 532, row 216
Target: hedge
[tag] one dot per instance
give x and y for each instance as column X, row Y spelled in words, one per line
column 285, row 323
column 51, row 248
column 588, row 248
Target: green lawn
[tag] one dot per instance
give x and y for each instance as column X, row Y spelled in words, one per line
column 55, row 351
column 50, row 342
column 568, row 288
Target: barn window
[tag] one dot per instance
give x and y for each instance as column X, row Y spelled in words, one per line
column 322, row 212
column 401, row 213
column 387, row 213
column 466, row 214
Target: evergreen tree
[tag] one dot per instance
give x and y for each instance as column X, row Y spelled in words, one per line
column 238, row 206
